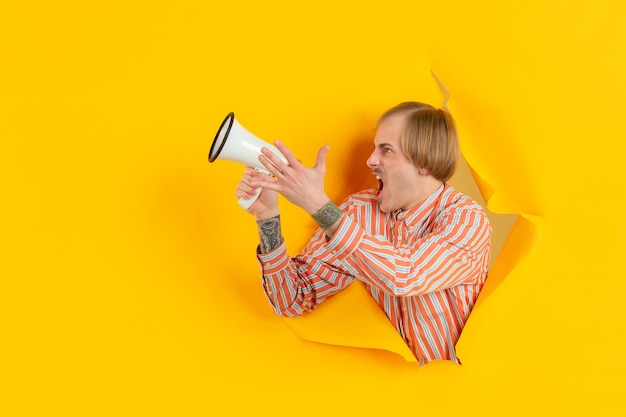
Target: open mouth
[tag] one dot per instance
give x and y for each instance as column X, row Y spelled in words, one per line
column 380, row 185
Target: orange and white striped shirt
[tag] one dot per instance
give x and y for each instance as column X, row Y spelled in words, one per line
column 424, row 266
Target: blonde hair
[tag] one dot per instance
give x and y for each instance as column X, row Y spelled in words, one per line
column 429, row 139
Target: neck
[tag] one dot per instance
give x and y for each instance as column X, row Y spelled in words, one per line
column 425, row 190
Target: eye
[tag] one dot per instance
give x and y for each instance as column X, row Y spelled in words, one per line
column 386, row 150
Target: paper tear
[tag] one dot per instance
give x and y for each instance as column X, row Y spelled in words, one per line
column 351, row 318
column 445, row 91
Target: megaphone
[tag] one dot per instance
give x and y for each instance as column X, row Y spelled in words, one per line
column 234, row 143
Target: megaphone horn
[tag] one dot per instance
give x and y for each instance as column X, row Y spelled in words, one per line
column 234, row 143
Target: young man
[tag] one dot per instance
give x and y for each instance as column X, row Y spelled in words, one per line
column 421, row 247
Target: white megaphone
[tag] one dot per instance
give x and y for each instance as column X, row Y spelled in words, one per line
column 234, row 143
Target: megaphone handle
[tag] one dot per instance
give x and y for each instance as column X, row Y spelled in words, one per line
column 247, row 203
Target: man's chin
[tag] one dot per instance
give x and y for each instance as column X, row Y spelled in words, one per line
column 383, row 203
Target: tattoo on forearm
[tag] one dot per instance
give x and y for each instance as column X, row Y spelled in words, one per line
column 270, row 236
column 327, row 215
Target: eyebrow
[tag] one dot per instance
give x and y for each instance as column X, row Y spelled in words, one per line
column 383, row 144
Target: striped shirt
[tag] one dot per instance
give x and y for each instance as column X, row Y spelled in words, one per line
column 424, row 266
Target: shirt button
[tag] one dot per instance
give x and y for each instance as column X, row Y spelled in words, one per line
column 334, row 252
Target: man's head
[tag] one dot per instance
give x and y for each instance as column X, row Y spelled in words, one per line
column 415, row 148
column 429, row 139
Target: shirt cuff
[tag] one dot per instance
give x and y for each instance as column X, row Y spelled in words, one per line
column 274, row 261
column 346, row 239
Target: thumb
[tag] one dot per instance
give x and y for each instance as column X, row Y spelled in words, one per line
column 320, row 163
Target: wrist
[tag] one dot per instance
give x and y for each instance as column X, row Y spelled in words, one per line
column 328, row 215
column 316, row 204
column 269, row 234
column 266, row 214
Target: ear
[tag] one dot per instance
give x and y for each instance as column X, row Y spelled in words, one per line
column 423, row 171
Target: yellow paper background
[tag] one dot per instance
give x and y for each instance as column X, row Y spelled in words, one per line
column 128, row 279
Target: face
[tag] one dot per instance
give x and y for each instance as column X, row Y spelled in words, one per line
column 398, row 179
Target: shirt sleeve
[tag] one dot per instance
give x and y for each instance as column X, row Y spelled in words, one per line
column 297, row 285
column 455, row 252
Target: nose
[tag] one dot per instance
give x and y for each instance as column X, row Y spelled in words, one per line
column 372, row 161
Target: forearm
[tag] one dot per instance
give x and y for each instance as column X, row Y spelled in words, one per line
column 280, row 278
column 295, row 285
column 270, row 235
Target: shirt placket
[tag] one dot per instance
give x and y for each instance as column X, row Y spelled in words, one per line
column 406, row 322
column 400, row 239
column 399, row 230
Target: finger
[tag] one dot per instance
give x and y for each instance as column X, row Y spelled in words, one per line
column 320, row 163
column 247, row 181
column 289, row 156
column 272, row 163
column 272, row 186
column 254, row 171
column 268, row 182
column 241, row 194
column 251, row 173
column 248, row 174
column 246, row 184
column 244, row 190
column 263, row 179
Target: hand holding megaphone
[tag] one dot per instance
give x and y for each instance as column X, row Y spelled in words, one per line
column 234, row 143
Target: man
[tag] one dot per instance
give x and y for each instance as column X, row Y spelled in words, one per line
column 421, row 247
